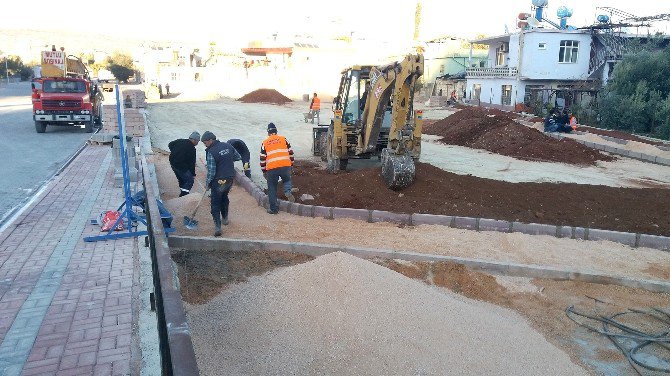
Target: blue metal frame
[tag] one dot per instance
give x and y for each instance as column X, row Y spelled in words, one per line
column 128, row 212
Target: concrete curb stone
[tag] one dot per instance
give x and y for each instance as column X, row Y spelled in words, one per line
column 653, row 241
column 486, row 224
column 534, row 228
column 385, row 216
column 431, row 219
column 466, row 223
column 614, row 236
column 361, row 214
column 322, row 212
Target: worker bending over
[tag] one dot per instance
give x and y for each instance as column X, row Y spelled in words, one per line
column 182, row 161
column 243, row 150
column 276, row 162
column 221, row 157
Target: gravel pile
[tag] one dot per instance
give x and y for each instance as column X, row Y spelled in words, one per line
column 342, row 315
column 265, row 96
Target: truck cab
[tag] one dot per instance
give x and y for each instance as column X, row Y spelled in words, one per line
column 66, row 97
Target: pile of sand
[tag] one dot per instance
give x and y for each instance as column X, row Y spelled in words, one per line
column 342, row 315
column 181, row 206
column 265, row 96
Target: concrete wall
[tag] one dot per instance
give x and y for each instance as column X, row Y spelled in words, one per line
column 538, row 64
column 491, row 92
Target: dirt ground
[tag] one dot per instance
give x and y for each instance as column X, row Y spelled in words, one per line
column 436, row 191
column 204, row 274
column 620, row 135
column 498, row 132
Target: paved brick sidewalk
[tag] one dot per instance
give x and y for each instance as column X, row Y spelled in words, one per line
column 69, row 307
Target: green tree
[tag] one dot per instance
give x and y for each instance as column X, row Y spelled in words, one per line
column 15, row 66
column 637, row 99
column 121, row 66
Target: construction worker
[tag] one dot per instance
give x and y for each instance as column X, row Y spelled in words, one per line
column 182, row 161
column 276, row 162
column 243, row 150
column 221, row 157
column 167, row 89
column 573, row 122
column 315, row 108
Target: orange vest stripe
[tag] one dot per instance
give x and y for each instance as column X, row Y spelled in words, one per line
column 277, row 152
column 317, row 104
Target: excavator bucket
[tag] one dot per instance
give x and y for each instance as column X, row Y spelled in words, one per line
column 398, row 171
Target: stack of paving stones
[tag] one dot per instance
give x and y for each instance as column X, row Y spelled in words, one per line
column 132, row 162
column 466, row 223
column 134, row 121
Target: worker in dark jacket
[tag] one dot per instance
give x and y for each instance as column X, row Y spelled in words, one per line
column 221, row 157
column 182, row 161
column 243, row 150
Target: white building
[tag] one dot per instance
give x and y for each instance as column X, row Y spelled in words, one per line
column 521, row 64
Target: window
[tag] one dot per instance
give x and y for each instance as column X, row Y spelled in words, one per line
column 542, row 46
column 173, row 76
column 568, row 51
column 506, row 97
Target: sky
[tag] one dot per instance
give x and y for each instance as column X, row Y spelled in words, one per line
column 259, row 19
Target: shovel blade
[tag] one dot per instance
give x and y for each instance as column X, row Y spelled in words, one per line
column 190, row 223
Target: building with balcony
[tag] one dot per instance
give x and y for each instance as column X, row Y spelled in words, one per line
column 539, row 64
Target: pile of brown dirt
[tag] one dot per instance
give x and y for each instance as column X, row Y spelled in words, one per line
column 498, row 132
column 435, row 191
column 265, row 96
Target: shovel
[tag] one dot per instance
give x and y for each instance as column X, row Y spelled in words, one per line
column 190, row 222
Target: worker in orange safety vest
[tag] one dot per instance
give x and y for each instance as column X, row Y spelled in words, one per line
column 276, row 162
column 315, row 107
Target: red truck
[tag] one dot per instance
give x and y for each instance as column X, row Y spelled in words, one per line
column 64, row 94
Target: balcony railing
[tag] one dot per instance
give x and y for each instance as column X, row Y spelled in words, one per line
column 499, row 72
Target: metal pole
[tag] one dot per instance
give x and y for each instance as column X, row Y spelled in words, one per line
column 7, row 69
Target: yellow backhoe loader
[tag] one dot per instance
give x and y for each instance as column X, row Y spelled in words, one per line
column 373, row 115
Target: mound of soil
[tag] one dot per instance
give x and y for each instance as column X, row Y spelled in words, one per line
column 434, row 191
column 265, row 96
column 498, row 132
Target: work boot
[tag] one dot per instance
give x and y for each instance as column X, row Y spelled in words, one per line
column 270, row 211
column 225, row 221
column 182, row 194
column 217, row 226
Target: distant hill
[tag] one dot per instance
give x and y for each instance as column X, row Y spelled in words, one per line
column 28, row 43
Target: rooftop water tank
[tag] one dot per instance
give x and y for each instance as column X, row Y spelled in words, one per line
column 564, row 12
column 603, row 18
column 540, row 3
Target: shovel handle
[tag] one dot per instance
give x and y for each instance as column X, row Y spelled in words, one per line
column 199, row 202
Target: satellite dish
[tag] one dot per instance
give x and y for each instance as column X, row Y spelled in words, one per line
column 540, row 3
column 533, row 22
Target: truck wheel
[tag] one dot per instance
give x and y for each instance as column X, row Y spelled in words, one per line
column 88, row 126
column 40, row 126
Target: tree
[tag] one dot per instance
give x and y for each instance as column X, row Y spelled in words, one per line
column 637, row 99
column 121, row 66
column 15, row 66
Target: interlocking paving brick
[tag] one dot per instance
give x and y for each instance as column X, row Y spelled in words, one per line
column 55, row 290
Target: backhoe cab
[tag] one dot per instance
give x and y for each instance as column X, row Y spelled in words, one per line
column 374, row 116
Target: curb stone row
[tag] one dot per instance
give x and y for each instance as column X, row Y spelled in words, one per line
column 466, row 223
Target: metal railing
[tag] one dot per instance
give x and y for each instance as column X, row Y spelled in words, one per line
column 498, row 72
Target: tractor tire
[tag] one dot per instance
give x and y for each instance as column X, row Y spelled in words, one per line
column 40, row 126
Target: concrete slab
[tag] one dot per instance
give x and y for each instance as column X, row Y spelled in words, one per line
column 430, row 219
column 322, row 212
column 360, row 214
column 614, row 236
column 534, row 228
column 466, row 223
column 486, row 224
column 656, row 242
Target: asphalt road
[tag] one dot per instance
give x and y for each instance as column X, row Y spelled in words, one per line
column 28, row 159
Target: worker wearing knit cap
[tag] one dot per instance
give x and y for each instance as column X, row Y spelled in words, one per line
column 182, row 161
column 221, row 157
